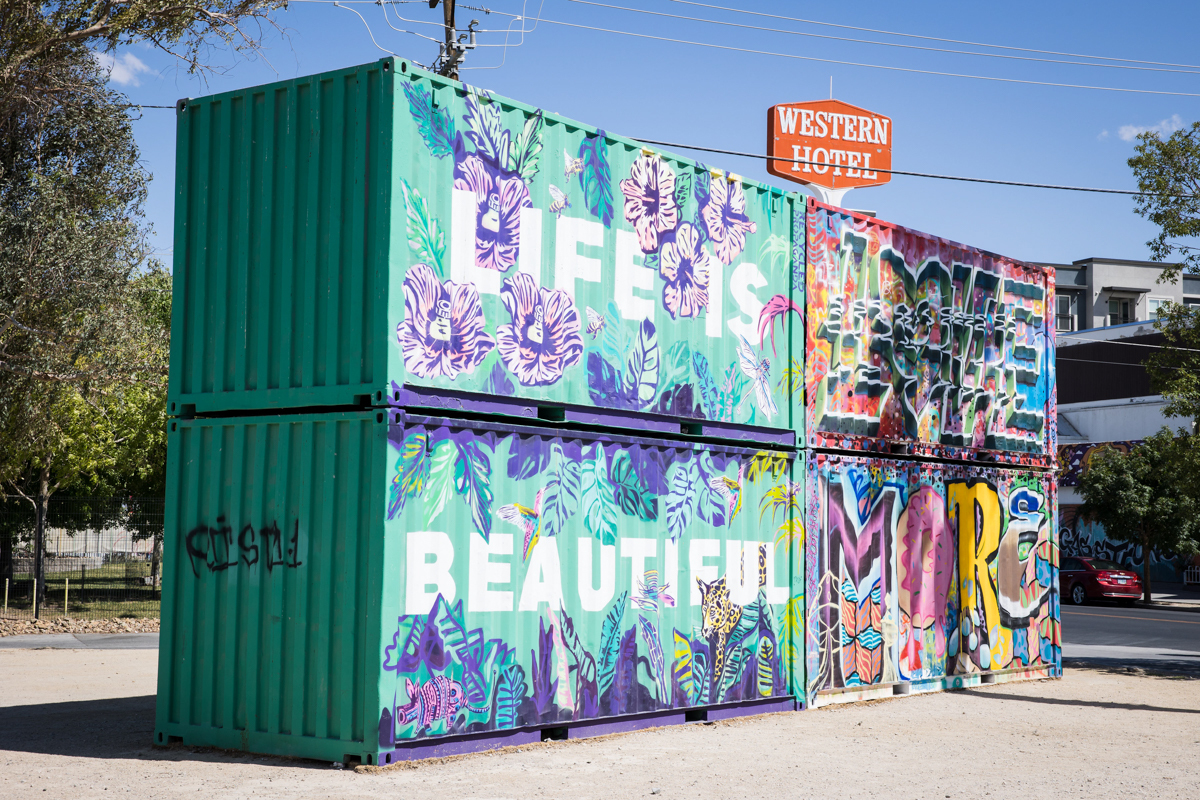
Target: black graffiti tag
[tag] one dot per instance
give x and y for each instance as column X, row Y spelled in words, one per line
column 213, row 547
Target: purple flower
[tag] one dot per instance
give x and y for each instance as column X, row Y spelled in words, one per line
column 442, row 333
column 543, row 339
column 500, row 196
column 726, row 220
column 650, row 200
column 683, row 264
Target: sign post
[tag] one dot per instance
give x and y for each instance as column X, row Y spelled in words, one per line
column 830, row 146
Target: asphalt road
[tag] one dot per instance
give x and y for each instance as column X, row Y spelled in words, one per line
column 1150, row 638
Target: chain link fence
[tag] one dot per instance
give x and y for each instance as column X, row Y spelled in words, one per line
column 101, row 558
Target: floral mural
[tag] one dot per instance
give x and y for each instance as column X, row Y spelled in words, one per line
column 572, row 318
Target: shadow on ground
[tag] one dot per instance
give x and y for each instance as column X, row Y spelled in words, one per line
column 110, row 728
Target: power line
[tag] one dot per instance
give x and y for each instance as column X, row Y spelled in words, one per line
column 880, row 44
column 910, row 174
column 868, row 66
column 931, row 38
column 1126, row 344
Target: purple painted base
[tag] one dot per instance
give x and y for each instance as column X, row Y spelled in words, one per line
column 439, row 747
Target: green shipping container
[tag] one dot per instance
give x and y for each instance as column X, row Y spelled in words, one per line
column 351, row 586
column 383, row 235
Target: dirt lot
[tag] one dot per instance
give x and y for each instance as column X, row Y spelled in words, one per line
column 77, row 724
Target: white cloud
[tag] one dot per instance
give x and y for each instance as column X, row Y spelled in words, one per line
column 1103, row 135
column 123, row 69
column 1168, row 126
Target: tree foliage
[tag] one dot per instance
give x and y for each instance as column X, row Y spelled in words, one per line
column 1168, row 171
column 1147, row 496
column 1175, row 368
column 186, row 29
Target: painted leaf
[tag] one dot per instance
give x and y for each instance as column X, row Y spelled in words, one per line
column 775, row 251
column 678, row 401
column 681, row 668
column 425, row 237
column 473, row 480
column 710, row 506
column 604, row 382
column 412, row 470
column 709, row 396
column 596, row 178
column 599, row 506
column 791, row 639
column 702, row 670
column 441, row 480
column 683, row 189
column 681, row 497
column 615, row 341
column 642, row 366
column 610, row 641
column 510, row 693
column 527, row 456
column 651, row 469
column 544, row 689
column 487, row 131
column 525, row 149
column 625, row 683
column 498, row 383
column 701, row 189
column 435, row 125
column 677, row 366
column 765, row 463
column 632, row 497
column 560, row 500
column 654, row 653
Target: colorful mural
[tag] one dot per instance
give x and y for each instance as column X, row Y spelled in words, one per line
column 919, row 570
column 535, row 578
column 552, row 262
column 913, row 340
column 1074, row 459
column 1083, row 537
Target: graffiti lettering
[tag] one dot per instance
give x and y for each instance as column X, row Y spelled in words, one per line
column 212, row 547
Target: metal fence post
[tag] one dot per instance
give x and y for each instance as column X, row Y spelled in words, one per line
column 67, row 599
column 6, row 597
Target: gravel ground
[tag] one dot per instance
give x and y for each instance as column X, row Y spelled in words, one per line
column 77, row 723
column 19, row 627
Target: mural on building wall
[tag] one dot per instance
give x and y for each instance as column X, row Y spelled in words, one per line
column 914, row 339
column 545, row 261
column 919, row 570
column 1074, row 459
column 1082, row 537
column 541, row 579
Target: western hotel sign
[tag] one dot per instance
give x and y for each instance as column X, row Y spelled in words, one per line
column 829, row 143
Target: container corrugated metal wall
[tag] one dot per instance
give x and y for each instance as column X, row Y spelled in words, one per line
column 281, row 214
column 536, row 577
column 585, row 269
column 343, row 240
column 271, row 582
column 922, row 572
column 920, row 345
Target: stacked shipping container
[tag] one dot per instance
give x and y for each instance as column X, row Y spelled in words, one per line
column 928, row 365
column 487, row 424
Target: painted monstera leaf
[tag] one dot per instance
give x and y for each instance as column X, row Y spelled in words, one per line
column 599, row 505
column 560, row 500
column 631, row 494
column 642, row 366
column 596, row 178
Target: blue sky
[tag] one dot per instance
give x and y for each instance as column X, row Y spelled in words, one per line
column 718, row 98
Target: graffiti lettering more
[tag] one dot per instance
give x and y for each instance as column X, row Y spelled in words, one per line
column 920, row 571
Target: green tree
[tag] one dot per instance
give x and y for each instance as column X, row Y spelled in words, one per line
column 1146, row 497
column 1175, row 368
column 80, row 351
column 1168, row 171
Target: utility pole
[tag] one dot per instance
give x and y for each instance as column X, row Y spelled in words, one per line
column 454, row 51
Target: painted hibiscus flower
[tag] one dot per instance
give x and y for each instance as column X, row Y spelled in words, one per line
column 500, row 197
column 543, row 339
column 442, row 333
column 725, row 217
column 650, row 200
column 683, row 264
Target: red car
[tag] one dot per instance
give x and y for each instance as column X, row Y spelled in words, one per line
column 1083, row 579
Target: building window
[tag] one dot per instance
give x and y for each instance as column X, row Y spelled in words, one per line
column 1155, row 305
column 1064, row 315
column 1121, row 310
